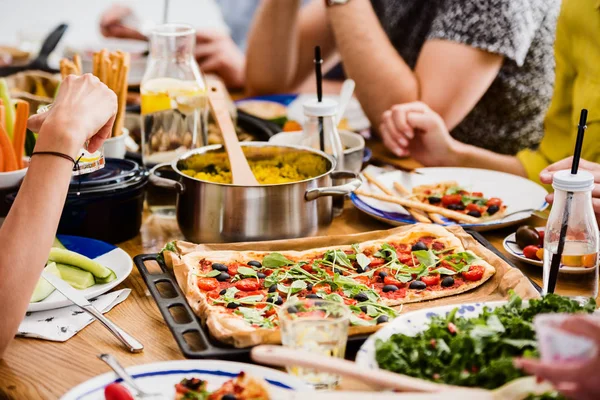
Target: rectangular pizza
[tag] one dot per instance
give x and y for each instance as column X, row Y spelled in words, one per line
column 237, row 293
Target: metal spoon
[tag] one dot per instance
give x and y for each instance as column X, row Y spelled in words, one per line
column 114, row 364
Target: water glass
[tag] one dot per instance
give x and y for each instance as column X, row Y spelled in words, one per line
column 315, row 326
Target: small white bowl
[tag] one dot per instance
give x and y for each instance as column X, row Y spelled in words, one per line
column 353, row 142
column 12, row 179
column 114, row 147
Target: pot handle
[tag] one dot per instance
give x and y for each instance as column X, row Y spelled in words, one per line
column 340, row 190
column 164, row 182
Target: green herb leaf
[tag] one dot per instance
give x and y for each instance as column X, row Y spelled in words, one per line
column 245, row 271
column 275, row 260
column 297, row 286
column 454, row 190
column 387, row 252
column 444, row 271
column 426, row 257
column 357, row 321
column 362, row 260
column 212, row 274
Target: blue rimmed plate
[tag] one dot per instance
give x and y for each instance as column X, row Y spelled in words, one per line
column 516, row 192
column 102, row 252
column 162, row 377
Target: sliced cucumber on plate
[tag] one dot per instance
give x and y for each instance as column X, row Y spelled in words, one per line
column 43, row 288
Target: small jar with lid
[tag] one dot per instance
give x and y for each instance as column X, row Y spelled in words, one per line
column 572, row 218
column 321, row 115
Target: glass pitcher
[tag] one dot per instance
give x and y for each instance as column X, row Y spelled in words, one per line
column 173, row 96
column 174, row 106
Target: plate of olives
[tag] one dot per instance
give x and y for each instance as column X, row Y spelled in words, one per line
column 526, row 244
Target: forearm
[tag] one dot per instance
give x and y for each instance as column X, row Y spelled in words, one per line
column 382, row 77
column 465, row 155
column 27, row 235
column 273, row 46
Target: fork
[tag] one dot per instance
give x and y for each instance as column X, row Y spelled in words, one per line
column 114, row 364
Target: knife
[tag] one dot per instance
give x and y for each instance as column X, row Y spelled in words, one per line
column 77, row 298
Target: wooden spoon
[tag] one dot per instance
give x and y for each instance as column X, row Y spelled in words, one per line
column 284, row 356
column 280, row 356
column 240, row 170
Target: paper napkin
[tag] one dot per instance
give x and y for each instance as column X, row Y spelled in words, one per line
column 61, row 324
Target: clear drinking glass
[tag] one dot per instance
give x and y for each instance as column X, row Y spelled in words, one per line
column 578, row 272
column 315, row 326
column 174, row 106
column 86, row 162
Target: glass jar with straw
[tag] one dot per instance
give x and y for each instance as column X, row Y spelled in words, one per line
column 571, row 241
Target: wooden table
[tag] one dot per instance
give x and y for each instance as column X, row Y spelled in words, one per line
column 33, row 369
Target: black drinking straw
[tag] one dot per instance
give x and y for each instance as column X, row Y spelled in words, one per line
column 318, row 61
column 556, row 258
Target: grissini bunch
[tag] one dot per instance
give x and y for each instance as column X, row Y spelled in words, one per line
column 112, row 69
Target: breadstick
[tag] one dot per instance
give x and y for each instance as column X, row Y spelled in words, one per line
column 77, row 62
column 421, row 206
column 96, row 64
column 420, row 217
column 407, row 193
column 122, row 96
column 63, row 68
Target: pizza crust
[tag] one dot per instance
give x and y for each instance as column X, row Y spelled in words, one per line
column 232, row 329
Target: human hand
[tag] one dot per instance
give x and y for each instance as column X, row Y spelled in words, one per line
column 84, row 109
column 111, row 24
column 217, row 53
column 594, row 168
column 416, row 129
column 575, row 379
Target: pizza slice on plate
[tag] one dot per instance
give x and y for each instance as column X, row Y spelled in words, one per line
column 453, row 197
column 237, row 293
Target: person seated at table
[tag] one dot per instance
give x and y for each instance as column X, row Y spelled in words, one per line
column 83, row 109
column 577, row 380
column 485, row 66
column 415, row 128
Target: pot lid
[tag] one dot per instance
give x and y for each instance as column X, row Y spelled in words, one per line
column 116, row 174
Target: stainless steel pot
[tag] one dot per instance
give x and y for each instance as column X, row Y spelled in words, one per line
column 209, row 212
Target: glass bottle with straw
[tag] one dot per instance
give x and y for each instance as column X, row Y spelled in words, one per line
column 571, row 241
column 320, row 130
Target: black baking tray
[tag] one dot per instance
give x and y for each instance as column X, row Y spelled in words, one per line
column 193, row 338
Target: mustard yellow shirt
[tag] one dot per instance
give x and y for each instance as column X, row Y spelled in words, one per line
column 577, row 86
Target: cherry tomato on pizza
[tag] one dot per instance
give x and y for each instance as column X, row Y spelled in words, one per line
column 474, row 273
column 431, row 280
column 449, row 199
column 247, row 285
column 207, row 284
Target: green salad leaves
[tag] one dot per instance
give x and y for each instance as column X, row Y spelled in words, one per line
column 475, row 352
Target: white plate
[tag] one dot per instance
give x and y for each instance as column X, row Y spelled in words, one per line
column 415, row 322
column 516, row 192
column 511, row 246
column 102, row 252
column 354, row 114
column 162, row 377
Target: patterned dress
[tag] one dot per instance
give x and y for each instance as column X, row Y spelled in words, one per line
column 509, row 117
